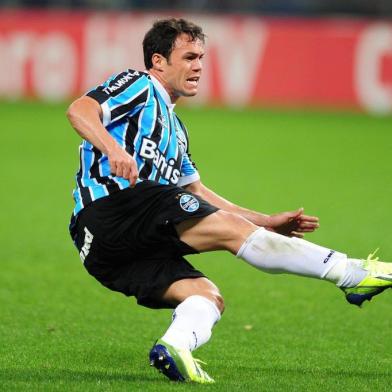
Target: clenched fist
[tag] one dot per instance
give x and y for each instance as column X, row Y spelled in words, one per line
column 123, row 165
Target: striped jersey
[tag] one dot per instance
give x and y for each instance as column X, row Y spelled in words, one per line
column 138, row 114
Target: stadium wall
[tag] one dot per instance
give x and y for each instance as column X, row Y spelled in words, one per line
column 55, row 55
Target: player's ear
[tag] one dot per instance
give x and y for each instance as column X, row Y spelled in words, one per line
column 158, row 61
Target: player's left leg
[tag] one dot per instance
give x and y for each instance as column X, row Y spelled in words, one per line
column 360, row 280
column 274, row 253
column 198, row 307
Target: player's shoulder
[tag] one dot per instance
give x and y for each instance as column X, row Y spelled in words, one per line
column 123, row 86
column 126, row 79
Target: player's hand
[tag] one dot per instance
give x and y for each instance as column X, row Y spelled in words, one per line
column 293, row 223
column 123, row 165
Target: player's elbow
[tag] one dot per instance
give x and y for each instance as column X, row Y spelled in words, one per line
column 83, row 108
column 73, row 112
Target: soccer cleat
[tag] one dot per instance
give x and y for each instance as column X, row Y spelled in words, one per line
column 177, row 364
column 378, row 279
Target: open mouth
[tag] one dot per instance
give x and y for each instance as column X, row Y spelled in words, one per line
column 193, row 81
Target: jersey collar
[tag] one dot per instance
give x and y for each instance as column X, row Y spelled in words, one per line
column 157, row 84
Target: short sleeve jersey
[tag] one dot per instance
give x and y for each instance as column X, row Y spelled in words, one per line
column 138, row 114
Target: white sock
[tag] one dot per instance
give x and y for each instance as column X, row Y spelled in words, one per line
column 275, row 253
column 192, row 323
column 347, row 274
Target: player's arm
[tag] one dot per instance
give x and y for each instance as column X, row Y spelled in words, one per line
column 85, row 115
column 199, row 189
column 293, row 223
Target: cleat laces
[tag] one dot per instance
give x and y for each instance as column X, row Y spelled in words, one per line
column 201, row 373
column 371, row 258
column 199, row 361
column 375, row 267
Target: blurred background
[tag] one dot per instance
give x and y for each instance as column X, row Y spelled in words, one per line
column 307, row 7
column 294, row 109
column 263, row 53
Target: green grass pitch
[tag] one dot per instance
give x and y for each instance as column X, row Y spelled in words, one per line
column 60, row 330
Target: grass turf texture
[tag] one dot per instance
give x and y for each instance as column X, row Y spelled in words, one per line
column 60, row 330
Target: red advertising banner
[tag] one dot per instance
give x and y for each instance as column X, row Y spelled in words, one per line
column 249, row 60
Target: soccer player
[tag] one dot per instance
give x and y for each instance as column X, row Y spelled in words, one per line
column 140, row 205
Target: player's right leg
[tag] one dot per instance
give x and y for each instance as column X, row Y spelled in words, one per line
column 274, row 253
column 198, row 307
column 127, row 241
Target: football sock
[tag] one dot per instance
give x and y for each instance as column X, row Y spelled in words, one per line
column 275, row 253
column 192, row 323
column 347, row 274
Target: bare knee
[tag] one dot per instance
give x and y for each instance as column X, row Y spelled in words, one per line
column 218, row 301
column 182, row 289
column 215, row 297
column 207, row 289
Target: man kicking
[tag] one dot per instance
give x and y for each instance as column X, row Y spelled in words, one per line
column 140, row 205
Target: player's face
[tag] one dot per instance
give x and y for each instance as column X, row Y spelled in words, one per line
column 181, row 73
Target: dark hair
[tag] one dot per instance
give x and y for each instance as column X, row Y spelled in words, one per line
column 163, row 34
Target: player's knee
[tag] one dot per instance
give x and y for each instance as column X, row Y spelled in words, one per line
column 216, row 298
column 219, row 302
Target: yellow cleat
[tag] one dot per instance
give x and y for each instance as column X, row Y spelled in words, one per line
column 178, row 364
column 378, row 279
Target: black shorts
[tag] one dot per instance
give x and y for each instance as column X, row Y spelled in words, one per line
column 128, row 241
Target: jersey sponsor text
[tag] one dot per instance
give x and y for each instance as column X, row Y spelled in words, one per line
column 149, row 150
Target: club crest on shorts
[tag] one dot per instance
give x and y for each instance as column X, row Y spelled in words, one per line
column 189, row 203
